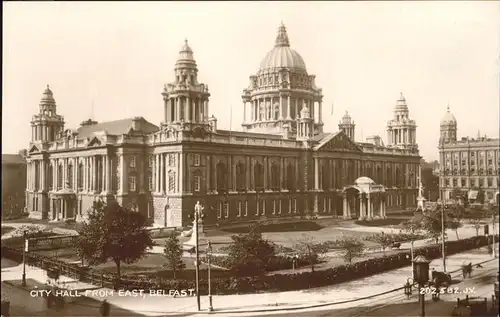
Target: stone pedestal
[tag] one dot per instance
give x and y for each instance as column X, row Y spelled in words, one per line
column 202, row 241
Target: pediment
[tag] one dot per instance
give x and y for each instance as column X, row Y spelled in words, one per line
column 33, row 149
column 338, row 142
column 94, row 141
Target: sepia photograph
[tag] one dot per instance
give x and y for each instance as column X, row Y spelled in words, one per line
column 260, row 158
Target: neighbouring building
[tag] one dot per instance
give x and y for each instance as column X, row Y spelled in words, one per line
column 13, row 185
column 281, row 165
column 469, row 165
column 430, row 180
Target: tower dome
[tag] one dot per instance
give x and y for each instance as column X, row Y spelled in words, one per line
column 401, row 103
column 346, row 119
column 47, row 97
column 449, row 118
column 186, row 57
column 282, row 56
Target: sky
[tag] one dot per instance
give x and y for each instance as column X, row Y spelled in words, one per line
column 117, row 56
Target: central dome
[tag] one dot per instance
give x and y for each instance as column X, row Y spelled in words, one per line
column 282, row 56
column 449, row 118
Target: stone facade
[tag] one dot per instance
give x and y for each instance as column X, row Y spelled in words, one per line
column 281, row 165
column 468, row 164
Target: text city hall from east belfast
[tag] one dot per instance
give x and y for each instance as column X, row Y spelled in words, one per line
column 281, row 165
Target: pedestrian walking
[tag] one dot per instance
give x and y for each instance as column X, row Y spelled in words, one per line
column 105, row 308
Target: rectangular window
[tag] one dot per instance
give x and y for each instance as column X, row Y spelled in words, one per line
column 464, row 162
column 150, row 182
column 290, row 206
column 295, row 205
column 171, row 181
column 279, row 207
column 490, row 162
column 473, row 181
column 131, row 183
column 197, row 182
column 455, row 182
column 219, row 212
column 490, row 182
column 263, row 207
column 226, row 209
column 132, row 162
column 257, row 208
column 196, row 160
column 463, row 182
column 246, row 209
column 239, row 209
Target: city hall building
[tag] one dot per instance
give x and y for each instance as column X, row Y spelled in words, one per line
column 282, row 163
column 468, row 164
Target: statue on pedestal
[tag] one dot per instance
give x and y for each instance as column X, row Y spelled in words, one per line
column 420, row 198
column 197, row 230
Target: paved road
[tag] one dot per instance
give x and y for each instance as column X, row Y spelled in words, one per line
column 482, row 282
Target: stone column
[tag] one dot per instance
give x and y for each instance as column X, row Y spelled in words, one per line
column 75, row 174
column 282, row 175
column 157, row 173
column 252, row 173
column 109, row 169
column 162, row 173
column 42, row 175
column 361, row 207
column 320, row 112
column 180, row 173
column 187, row 110
column 247, row 172
column 381, row 208
column 345, row 210
column 245, row 111
column 281, row 108
column 288, row 108
column 316, row 173
column 369, row 211
column 266, row 173
column 209, row 173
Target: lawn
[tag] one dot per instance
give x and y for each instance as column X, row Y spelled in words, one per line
column 278, row 227
column 381, row 222
column 6, row 230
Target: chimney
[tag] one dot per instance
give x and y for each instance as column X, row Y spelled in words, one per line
column 136, row 123
column 88, row 123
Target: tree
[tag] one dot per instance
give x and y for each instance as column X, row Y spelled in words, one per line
column 308, row 249
column 433, row 224
column 249, row 254
column 455, row 218
column 115, row 233
column 352, row 248
column 173, row 254
column 384, row 240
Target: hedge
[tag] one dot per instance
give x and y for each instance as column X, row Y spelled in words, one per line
column 266, row 283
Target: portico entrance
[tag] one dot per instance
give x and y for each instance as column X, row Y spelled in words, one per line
column 63, row 205
column 364, row 200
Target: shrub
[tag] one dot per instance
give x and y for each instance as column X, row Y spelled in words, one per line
column 70, row 221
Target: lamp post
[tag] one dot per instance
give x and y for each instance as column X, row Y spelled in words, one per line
column 443, row 232
column 294, row 261
column 209, row 256
column 198, row 213
column 421, row 276
column 24, row 257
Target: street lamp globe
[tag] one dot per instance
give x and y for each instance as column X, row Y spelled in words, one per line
column 421, row 269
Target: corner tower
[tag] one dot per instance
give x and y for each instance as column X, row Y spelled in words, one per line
column 347, row 126
column 186, row 100
column 47, row 124
column 401, row 130
column 276, row 95
column 448, row 128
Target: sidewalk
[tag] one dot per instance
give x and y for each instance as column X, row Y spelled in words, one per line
column 164, row 305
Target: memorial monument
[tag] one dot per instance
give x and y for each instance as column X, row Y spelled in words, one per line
column 197, row 230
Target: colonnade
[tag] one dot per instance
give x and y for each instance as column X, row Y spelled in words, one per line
column 189, row 109
column 269, row 108
column 402, row 135
column 366, row 206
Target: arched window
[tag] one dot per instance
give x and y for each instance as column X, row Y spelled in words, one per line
column 221, row 177
column 240, row 176
column 379, row 175
column 80, row 176
column 389, row 182
column 50, row 177
column 275, row 177
column 325, row 176
column 171, row 181
column 398, row 177
column 60, row 176
column 290, row 179
column 258, row 176
column 69, row 183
